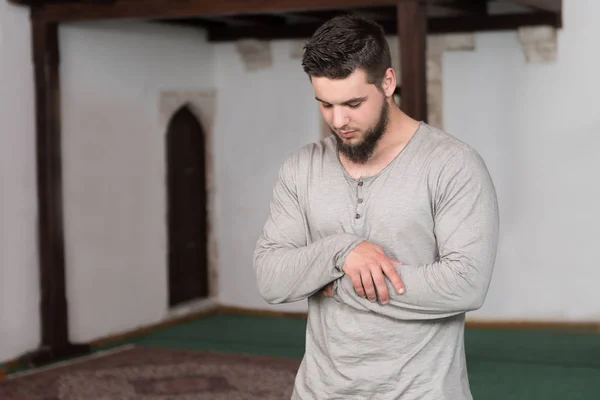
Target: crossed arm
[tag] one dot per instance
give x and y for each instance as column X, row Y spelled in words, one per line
column 287, row 268
column 466, row 228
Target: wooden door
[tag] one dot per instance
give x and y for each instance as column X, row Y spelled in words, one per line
column 187, row 216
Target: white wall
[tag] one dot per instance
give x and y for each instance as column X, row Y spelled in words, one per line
column 262, row 116
column 19, row 288
column 536, row 125
column 114, row 170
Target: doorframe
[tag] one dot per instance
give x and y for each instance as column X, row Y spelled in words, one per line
column 202, row 103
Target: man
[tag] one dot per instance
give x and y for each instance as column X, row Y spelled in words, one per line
column 388, row 227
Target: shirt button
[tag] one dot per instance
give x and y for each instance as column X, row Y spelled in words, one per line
column 357, row 216
column 360, row 201
column 360, row 183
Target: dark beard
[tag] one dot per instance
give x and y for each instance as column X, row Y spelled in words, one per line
column 361, row 152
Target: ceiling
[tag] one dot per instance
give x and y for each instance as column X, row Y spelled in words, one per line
column 444, row 16
column 229, row 20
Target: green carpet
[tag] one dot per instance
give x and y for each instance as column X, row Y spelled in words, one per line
column 280, row 337
column 503, row 364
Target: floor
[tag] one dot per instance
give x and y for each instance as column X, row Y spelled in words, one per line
column 503, row 364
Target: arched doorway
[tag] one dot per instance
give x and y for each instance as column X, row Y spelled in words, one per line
column 187, row 215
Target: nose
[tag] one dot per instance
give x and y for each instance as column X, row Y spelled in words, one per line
column 340, row 119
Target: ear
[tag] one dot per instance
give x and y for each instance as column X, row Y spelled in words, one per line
column 389, row 82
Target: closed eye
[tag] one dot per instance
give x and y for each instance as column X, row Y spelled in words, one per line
column 352, row 103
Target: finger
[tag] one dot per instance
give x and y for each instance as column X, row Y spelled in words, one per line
column 390, row 271
column 367, row 281
column 380, row 285
column 357, row 283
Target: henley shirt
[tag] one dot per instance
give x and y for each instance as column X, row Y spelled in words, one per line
column 434, row 209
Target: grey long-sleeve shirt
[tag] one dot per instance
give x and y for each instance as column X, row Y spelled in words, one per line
column 434, row 209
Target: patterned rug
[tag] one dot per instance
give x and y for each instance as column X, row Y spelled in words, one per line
column 150, row 373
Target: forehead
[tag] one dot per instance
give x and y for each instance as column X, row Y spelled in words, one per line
column 335, row 91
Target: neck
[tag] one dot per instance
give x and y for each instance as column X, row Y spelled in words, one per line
column 399, row 131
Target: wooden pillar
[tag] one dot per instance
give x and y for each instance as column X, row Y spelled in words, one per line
column 54, row 316
column 412, row 37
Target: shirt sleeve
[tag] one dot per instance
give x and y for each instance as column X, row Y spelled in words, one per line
column 466, row 228
column 289, row 269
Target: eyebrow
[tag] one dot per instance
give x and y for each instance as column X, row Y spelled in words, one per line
column 353, row 100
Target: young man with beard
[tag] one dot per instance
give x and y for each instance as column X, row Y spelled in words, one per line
column 388, row 227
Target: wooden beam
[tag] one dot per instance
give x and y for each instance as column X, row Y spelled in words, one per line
column 249, row 19
column 501, row 22
column 52, row 261
column 321, row 16
column 53, row 307
column 465, row 6
column 28, row 2
column 261, row 19
column 203, row 23
column 412, row 37
column 161, row 9
column 554, row 6
column 456, row 24
column 388, row 12
column 448, row 8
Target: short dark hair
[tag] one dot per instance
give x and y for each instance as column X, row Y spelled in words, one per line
column 345, row 43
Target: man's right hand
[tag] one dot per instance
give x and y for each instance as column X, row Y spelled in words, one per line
column 366, row 266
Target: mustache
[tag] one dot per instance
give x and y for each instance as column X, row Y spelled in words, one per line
column 346, row 129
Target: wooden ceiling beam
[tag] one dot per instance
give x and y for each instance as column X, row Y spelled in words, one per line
column 554, row 6
column 254, row 19
column 464, row 6
column 36, row 3
column 236, row 20
column 379, row 13
column 454, row 7
column 63, row 10
column 456, row 24
column 193, row 22
column 321, row 16
column 154, row 9
column 456, row 4
column 501, row 22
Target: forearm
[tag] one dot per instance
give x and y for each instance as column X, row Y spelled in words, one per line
column 437, row 290
column 288, row 274
column 466, row 230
